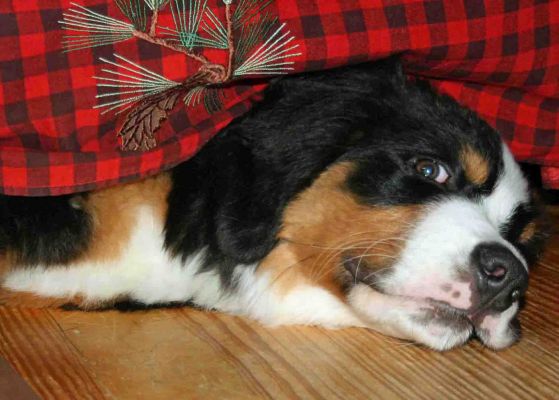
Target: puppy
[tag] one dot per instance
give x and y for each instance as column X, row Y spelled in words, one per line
column 348, row 197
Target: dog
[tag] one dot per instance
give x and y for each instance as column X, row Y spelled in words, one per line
column 347, row 197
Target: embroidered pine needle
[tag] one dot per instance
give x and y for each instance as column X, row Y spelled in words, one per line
column 270, row 57
column 135, row 11
column 98, row 30
column 252, row 34
column 191, row 41
column 188, row 24
column 212, row 100
column 187, row 15
column 211, row 96
column 216, row 31
column 156, row 4
column 247, row 9
column 194, row 96
column 137, row 83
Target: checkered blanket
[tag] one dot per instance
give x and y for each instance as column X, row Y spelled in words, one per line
column 497, row 57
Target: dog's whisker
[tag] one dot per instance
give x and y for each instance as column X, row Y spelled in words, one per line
column 382, row 255
column 327, row 247
column 326, row 259
column 329, row 256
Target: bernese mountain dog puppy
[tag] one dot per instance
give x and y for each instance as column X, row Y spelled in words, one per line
column 348, row 197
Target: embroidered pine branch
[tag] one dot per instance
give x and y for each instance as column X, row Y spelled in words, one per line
column 137, row 132
column 196, row 26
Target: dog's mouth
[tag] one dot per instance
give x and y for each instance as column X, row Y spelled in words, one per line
column 361, row 271
column 495, row 330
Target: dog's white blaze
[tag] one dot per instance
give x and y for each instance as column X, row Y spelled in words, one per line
column 510, row 191
column 146, row 273
column 439, row 249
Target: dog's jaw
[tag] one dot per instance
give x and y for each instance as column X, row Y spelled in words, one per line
column 499, row 331
column 417, row 320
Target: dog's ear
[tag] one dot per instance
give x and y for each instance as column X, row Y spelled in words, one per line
column 249, row 211
column 250, row 233
column 220, row 200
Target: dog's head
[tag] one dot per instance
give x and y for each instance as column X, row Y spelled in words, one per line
column 424, row 203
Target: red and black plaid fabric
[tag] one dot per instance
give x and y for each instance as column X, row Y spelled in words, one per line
column 498, row 57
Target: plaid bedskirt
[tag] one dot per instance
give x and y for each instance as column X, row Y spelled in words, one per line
column 497, row 57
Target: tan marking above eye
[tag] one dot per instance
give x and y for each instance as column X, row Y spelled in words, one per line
column 326, row 222
column 476, row 166
column 528, row 232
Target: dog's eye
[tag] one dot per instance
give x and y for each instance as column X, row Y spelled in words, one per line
column 432, row 170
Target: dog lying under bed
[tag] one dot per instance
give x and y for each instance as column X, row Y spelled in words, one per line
column 348, row 197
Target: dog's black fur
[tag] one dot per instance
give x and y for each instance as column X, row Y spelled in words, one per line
column 43, row 230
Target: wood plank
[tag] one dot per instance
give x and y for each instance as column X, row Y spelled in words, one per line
column 190, row 354
column 36, row 347
column 12, row 385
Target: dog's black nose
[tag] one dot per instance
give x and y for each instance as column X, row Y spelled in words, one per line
column 501, row 277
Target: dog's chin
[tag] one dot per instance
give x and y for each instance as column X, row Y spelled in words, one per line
column 427, row 322
column 498, row 330
column 451, row 325
column 494, row 330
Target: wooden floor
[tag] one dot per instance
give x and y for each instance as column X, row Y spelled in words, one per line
column 188, row 354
